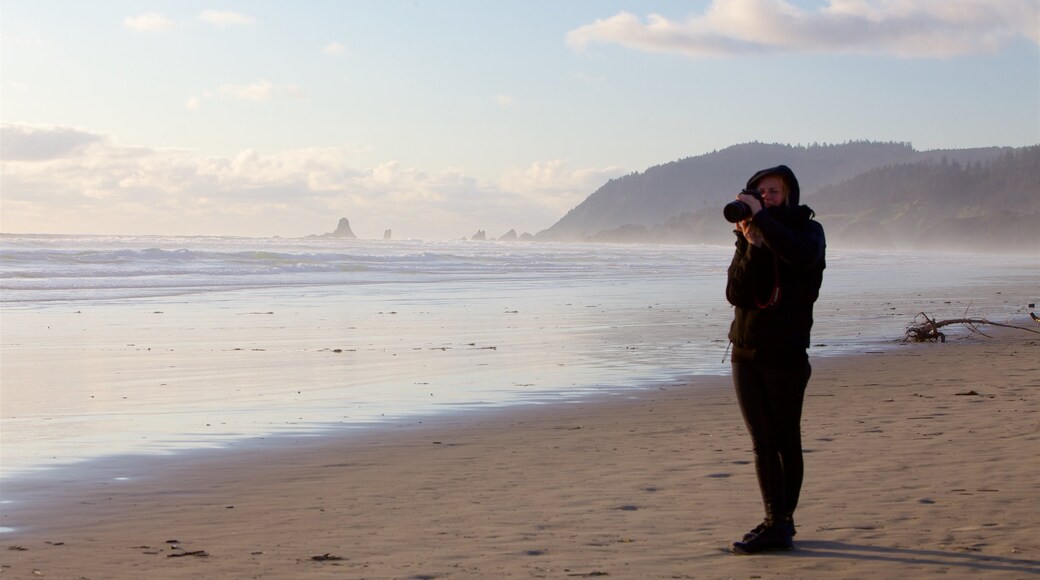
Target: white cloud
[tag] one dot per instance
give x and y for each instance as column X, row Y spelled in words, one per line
column 149, row 22
column 258, row 91
column 85, row 182
column 905, row 28
column 334, row 49
column 193, row 104
column 19, row 87
column 223, row 19
column 262, row 90
column 553, row 185
column 42, row 142
column 504, row 100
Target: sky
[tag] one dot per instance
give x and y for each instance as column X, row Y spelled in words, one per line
column 436, row 119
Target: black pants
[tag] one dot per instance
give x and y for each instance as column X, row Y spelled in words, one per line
column 771, row 402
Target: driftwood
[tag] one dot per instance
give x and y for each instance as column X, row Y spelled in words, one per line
column 926, row 329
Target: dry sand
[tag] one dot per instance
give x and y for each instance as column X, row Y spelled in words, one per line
column 922, row 461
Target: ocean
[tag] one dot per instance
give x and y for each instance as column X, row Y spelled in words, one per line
column 122, row 345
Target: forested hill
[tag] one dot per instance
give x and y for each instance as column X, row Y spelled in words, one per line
column 682, row 201
column 945, row 204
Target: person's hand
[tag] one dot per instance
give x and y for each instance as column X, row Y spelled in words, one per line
column 751, row 233
column 751, row 201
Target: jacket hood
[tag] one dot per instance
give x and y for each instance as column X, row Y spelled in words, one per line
column 784, row 172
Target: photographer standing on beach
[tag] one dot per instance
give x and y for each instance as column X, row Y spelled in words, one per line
column 774, row 279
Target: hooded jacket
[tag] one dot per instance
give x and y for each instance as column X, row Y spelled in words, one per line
column 770, row 329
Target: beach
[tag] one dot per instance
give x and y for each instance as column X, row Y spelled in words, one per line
column 150, row 345
column 921, row 461
column 258, row 408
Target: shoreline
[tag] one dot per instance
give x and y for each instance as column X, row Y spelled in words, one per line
column 917, row 462
column 442, row 331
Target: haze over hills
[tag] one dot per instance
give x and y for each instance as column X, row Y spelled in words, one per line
column 940, row 205
column 866, row 194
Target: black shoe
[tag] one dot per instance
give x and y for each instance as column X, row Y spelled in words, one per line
column 755, row 531
column 771, row 538
column 758, row 529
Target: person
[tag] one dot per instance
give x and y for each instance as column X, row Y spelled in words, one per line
column 773, row 281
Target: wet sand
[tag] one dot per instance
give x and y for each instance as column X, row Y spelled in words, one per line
column 922, row 461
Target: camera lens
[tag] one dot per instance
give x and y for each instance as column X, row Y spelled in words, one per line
column 736, row 211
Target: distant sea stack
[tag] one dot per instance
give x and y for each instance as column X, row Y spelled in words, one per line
column 342, row 230
column 480, row 236
column 387, row 234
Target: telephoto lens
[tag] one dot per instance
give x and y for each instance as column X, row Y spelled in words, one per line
column 737, row 210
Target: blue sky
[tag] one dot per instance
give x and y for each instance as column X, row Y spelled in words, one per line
column 439, row 118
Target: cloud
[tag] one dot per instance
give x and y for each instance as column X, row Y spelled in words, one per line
column 334, row 49
column 262, row 90
column 149, row 22
column 193, row 104
column 903, row 28
column 504, row 100
column 38, row 143
column 553, row 185
column 155, row 21
column 226, row 18
column 72, row 180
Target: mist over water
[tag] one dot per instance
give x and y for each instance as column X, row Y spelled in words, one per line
column 49, row 268
column 146, row 344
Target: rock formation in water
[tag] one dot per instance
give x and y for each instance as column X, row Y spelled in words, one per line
column 480, row 236
column 386, row 234
column 509, row 236
column 342, row 230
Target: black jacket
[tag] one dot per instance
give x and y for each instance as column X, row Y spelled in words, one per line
column 791, row 257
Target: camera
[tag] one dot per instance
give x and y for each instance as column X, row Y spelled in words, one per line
column 737, row 210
